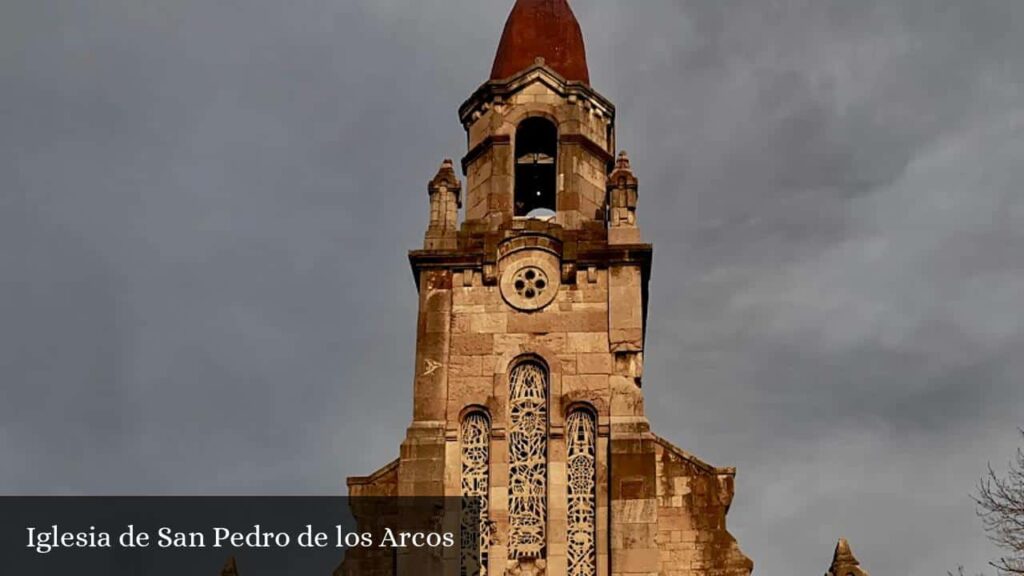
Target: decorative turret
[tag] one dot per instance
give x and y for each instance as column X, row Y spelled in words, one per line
column 622, row 200
column 445, row 200
column 844, row 563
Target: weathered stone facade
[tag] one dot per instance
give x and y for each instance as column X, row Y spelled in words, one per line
column 528, row 402
column 530, row 346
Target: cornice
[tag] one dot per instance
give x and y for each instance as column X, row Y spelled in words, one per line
column 497, row 92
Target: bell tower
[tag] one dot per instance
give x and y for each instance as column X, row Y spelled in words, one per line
column 537, row 128
column 528, row 391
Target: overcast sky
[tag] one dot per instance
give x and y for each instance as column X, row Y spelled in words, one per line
column 205, row 207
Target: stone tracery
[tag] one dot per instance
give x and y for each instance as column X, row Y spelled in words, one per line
column 476, row 433
column 581, row 466
column 527, row 461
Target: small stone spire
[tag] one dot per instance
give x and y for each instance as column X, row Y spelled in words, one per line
column 622, row 201
column 445, row 200
column 844, row 563
column 622, row 162
column 230, row 568
column 445, row 178
column 843, row 554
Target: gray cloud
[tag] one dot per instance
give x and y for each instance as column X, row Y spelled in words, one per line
column 205, row 208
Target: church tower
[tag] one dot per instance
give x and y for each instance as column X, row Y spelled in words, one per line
column 528, row 389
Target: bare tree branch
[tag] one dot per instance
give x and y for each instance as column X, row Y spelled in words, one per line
column 960, row 572
column 1000, row 501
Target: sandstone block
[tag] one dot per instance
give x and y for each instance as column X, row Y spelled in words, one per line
column 472, row 344
column 636, row 560
column 594, row 363
column 488, row 323
column 587, row 342
column 584, row 382
column 464, row 366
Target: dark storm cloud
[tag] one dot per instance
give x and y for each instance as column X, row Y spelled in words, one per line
column 205, row 208
column 834, row 195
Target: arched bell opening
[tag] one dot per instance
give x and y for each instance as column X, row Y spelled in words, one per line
column 536, row 165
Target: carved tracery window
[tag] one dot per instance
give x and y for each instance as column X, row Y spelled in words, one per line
column 475, row 533
column 581, row 465
column 528, row 452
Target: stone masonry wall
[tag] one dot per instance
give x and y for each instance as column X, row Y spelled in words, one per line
column 693, row 499
column 571, row 337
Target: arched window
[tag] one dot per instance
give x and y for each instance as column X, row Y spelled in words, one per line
column 536, row 161
column 476, row 454
column 528, row 459
column 581, row 467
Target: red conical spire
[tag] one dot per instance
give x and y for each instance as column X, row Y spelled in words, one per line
column 542, row 29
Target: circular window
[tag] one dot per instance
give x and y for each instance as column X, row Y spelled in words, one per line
column 530, row 285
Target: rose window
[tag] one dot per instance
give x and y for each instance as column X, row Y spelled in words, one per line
column 530, row 283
